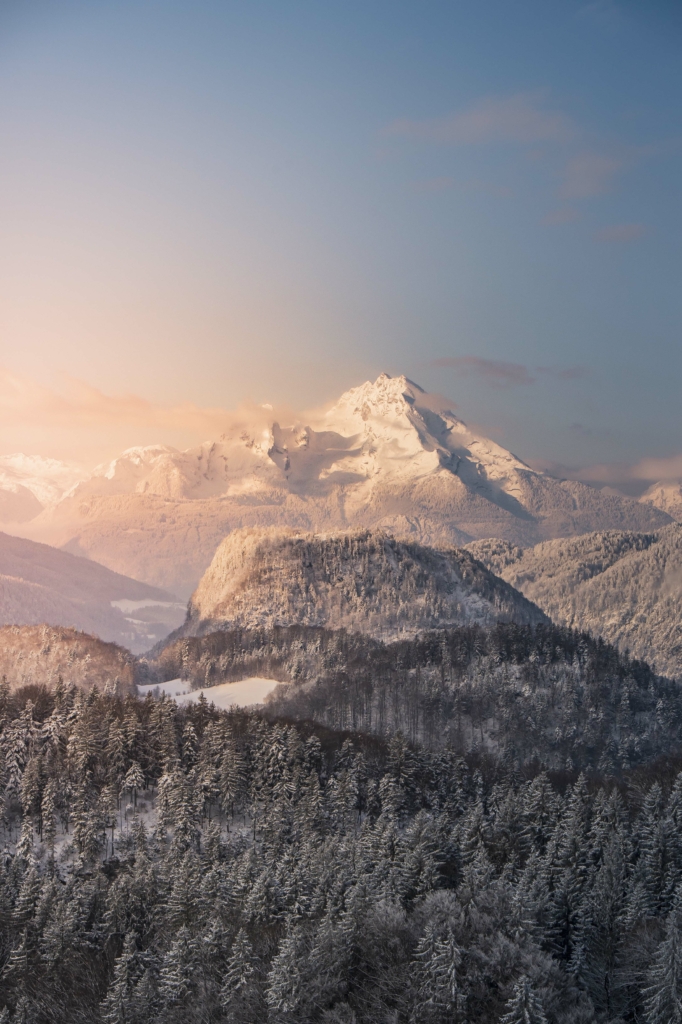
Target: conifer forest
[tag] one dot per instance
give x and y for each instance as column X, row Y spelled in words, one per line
column 476, row 826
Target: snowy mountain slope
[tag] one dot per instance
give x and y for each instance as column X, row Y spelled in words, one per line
column 386, row 455
column 40, row 584
column 362, row 582
column 665, row 495
column 623, row 586
column 41, row 655
column 30, row 483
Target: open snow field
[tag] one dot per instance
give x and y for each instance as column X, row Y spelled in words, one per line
column 243, row 694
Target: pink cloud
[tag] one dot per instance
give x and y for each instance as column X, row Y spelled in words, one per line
column 502, row 374
column 627, row 478
column 621, row 233
column 564, row 216
column 79, row 421
column 433, row 184
column 470, row 185
column 518, row 118
column 589, row 174
column 496, row 372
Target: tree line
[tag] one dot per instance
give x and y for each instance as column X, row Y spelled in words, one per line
column 164, row 864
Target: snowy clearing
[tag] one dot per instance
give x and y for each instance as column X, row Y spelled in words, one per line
column 243, row 694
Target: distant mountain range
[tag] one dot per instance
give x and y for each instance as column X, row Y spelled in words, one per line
column 30, row 483
column 625, row 587
column 40, row 584
column 385, row 456
column 363, row 582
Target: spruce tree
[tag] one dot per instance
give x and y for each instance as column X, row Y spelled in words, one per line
column 523, row 1006
column 663, row 994
column 116, row 1008
column 439, row 994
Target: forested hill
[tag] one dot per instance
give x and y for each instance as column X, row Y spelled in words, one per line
column 44, row 655
column 363, row 581
column 533, row 693
column 621, row 585
column 167, row 865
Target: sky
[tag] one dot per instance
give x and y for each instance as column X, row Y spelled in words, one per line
column 208, row 203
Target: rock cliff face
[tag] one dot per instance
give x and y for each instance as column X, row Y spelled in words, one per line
column 386, row 456
column 42, row 655
column 623, row 586
column 362, row 582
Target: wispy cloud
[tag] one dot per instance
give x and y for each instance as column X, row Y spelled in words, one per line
column 77, row 403
column 602, row 13
column 627, row 478
column 446, row 183
column 652, row 470
column 581, row 430
column 564, row 216
column 441, row 184
column 563, row 372
column 589, row 174
column 83, row 421
column 501, row 374
column 521, row 118
column 496, row 372
column 621, row 233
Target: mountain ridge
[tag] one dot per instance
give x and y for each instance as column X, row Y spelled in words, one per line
column 43, row 585
column 386, row 455
column 623, row 586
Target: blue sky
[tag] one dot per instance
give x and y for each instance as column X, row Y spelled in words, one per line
column 210, row 201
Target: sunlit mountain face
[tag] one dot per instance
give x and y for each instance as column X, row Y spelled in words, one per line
column 386, row 455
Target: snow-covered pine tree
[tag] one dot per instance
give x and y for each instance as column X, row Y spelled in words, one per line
column 663, row 994
column 523, row 1006
column 438, row 991
column 116, row 1007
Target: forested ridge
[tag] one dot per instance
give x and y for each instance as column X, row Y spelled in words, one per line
column 620, row 585
column 540, row 693
column 167, row 864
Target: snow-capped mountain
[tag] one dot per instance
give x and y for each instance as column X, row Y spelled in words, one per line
column 386, row 455
column 667, row 496
column 364, row 582
column 30, row 483
column 625, row 587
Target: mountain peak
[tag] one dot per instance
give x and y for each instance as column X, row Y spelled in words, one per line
column 386, row 455
column 383, row 396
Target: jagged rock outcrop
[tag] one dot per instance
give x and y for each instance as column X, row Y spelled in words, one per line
column 42, row 655
column 623, row 586
column 362, row 582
